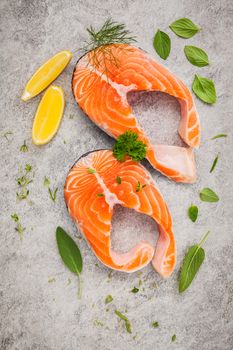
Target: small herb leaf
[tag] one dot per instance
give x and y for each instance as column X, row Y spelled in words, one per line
column 208, row 195
column 191, row 264
column 214, row 164
column 204, row 89
column 193, row 212
column 218, row 136
column 46, row 181
column 173, row 337
column 53, row 194
column 108, row 299
column 24, row 147
column 124, row 318
column 162, row 44
column 196, row 56
column 135, row 290
column 184, row 28
column 155, row 324
column 118, row 180
column 100, row 195
column 91, row 171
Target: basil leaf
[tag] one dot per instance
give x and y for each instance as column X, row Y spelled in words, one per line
column 204, row 89
column 196, row 56
column 69, row 251
column 184, row 28
column 193, row 212
column 214, row 164
column 208, row 195
column 191, row 264
column 218, row 136
column 162, row 44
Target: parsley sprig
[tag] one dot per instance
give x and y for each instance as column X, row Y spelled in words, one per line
column 128, row 144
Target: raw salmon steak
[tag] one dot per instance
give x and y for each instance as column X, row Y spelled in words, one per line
column 100, row 85
column 92, row 190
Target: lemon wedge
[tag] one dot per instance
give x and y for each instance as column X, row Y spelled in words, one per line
column 48, row 115
column 46, row 74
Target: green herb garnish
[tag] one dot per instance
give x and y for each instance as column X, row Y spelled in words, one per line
column 98, row 323
column 70, row 254
column 162, row 44
column 135, row 290
column 23, row 182
column 126, row 320
column 46, row 181
column 128, row 145
column 53, row 194
column 71, row 116
column 191, row 264
column 91, row 171
column 218, row 136
column 24, row 147
column 118, row 180
column 204, row 89
column 173, row 337
column 100, row 195
column 184, row 28
column 28, row 168
column 196, row 56
column 193, row 212
column 208, row 195
column 19, row 228
column 108, row 299
column 6, row 134
column 155, row 324
column 214, row 164
column 51, row 280
column 139, row 187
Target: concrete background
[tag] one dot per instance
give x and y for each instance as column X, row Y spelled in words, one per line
column 38, row 314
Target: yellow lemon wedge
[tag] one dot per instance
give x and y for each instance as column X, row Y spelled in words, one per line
column 46, row 74
column 48, row 115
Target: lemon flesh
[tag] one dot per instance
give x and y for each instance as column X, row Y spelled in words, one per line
column 48, row 115
column 46, row 74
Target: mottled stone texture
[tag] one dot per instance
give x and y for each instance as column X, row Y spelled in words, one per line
column 36, row 314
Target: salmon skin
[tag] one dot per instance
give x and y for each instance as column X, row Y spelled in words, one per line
column 100, row 88
column 91, row 191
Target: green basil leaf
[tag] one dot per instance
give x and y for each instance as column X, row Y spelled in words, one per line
column 193, row 212
column 184, row 28
column 214, row 164
column 196, row 56
column 69, row 251
column 208, row 195
column 191, row 264
column 218, row 136
column 162, row 44
column 204, row 89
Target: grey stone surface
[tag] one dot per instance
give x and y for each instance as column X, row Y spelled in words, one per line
column 36, row 314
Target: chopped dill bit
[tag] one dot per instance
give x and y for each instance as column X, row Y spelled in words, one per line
column 53, row 194
column 138, row 186
column 98, row 323
column 6, row 134
column 139, row 273
column 118, row 180
column 154, row 285
column 218, row 136
column 140, row 282
column 19, row 228
column 126, row 320
column 128, row 144
column 23, row 194
column 108, row 299
column 28, row 168
column 91, row 171
column 110, row 274
column 51, row 280
column 143, row 186
column 214, row 164
column 24, row 147
column 135, row 290
column 100, row 195
column 135, row 336
column 155, row 324
column 15, row 217
column 71, row 116
column 69, row 282
column 46, row 181
column 64, row 141
column 174, row 337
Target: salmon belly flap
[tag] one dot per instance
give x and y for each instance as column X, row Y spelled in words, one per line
column 91, row 191
column 101, row 91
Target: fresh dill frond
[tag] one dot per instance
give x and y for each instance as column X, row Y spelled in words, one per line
column 128, row 144
column 100, row 44
column 19, row 228
column 53, row 194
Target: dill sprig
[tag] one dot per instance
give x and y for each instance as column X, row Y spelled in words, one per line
column 100, row 43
